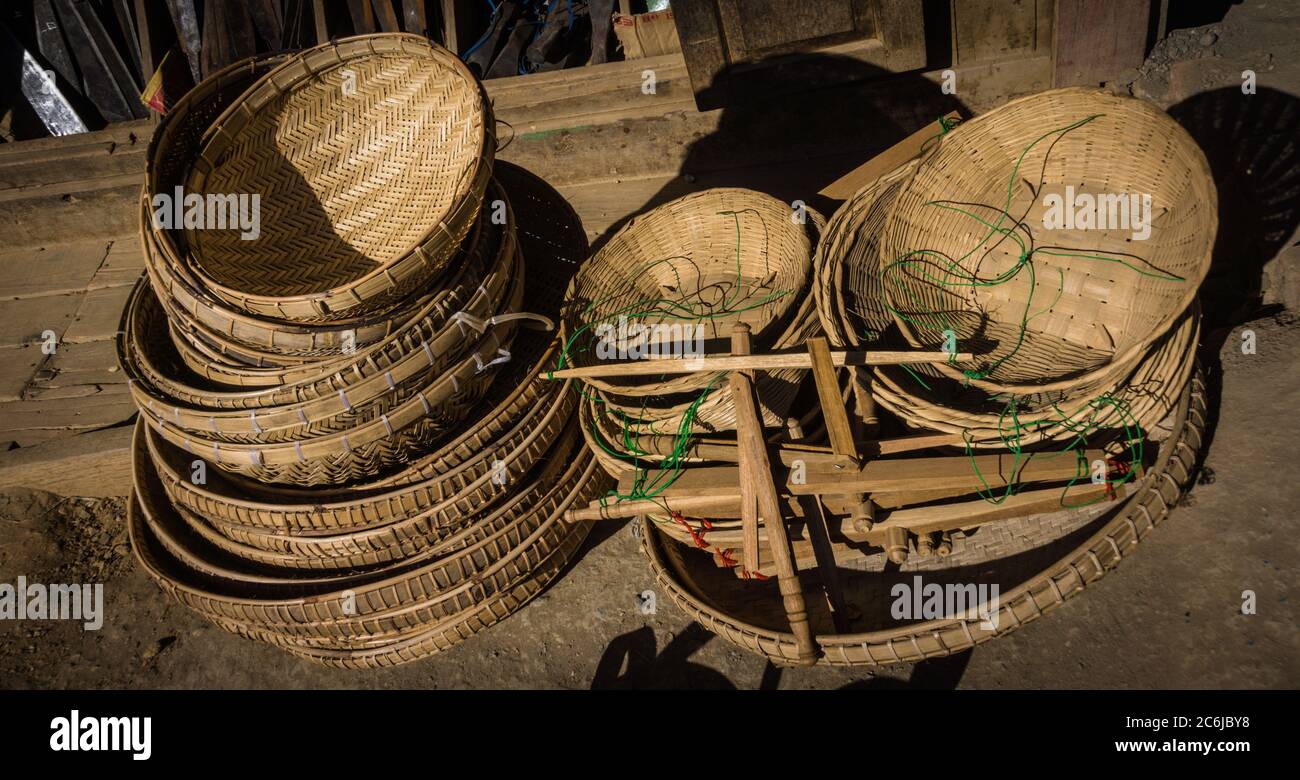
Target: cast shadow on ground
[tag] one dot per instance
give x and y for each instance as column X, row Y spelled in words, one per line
column 1251, row 143
column 631, row 662
column 789, row 128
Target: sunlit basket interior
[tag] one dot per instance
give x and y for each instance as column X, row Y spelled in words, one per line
column 989, row 239
column 360, row 153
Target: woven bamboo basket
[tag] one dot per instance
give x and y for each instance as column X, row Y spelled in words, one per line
column 339, row 395
column 373, row 445
column 852, row 309
column 360, row 612
column 259, row 341
column 966, row 246
column 733, row 609
column 402, row 540
column 515, row 422
column 666, row 413
column 1138, row 401
column 153, row 357
column 370, row 156
column 172, row 147
column 710, row 259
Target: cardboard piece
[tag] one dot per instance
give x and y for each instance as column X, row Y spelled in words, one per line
column 866, row 173
column 647, row 35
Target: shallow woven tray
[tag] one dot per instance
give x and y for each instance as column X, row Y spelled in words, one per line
column 405, row 432
column 172, row 147
column 1115, row 536
column 152, row 356
column 370, row 154
column 1146, row 395
column 1087, row 314
column 390, row 604
column 720, row 256
column 367, row 384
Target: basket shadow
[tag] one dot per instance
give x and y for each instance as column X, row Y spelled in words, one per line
column 1251, row 144
column 632, row 661
column 789, row 128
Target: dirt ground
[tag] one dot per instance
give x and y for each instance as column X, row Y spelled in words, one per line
column 1169, row 617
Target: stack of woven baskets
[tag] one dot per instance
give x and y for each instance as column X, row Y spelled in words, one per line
column 1078, row 330
column 1084, row 331
column 693, row 268
column 344, row 447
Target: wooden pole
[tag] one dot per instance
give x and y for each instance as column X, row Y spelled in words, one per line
column 739, row 384
column 768, row 362
column 749, row 438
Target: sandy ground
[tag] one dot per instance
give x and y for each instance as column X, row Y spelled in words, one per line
column 1169, row 617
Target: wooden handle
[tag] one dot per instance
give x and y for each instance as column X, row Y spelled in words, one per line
column 734, row 362
column 753, row 453
column 748, row 496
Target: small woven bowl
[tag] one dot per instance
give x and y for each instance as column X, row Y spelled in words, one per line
column 1088, row 301
column 370, row 156
column 712, row 259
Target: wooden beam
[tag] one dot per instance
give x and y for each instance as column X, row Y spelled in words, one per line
column 749, row 438
column 890, row 475
column 95, row 464
column 449, row 26
column 768, row 362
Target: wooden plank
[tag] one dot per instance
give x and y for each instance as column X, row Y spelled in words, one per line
column 123, row 265
column 1094, row 42
column 749, row 479
column 95, row 464
column 61, row 268
column 844, row 187
column 23, row 320
column 890, row 475
column 104, row 207
column 318, row 17
column 832, row 405
column 994, row 29
column 77, row 370
column 386, row 16
column 34, row 420
column 98, row 315
column 363, row 16
column 449, row 38
column 18, row 365
column 413, row 17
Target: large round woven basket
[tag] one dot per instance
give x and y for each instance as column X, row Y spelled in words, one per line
column 698, row 264
column 469, row 578
column 370, row 156
column 330, row 391
column 997, row 239
column 1040, row 562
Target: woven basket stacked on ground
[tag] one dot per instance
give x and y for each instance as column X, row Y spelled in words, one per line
column 1093, row 328
column 707, row 260
column 344, row 448
column 1106, row 360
